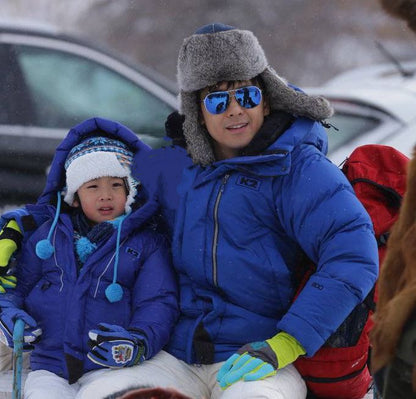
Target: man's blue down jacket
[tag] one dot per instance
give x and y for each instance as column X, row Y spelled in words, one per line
column 67, row 303
column 240, row 227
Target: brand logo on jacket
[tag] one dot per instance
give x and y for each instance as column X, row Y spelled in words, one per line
column 133, row 252
column 248, row 182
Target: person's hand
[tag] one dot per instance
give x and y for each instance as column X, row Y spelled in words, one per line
column 174, row 129
column 8, row 317
column 259, row 360
column 7, row 282
column 115, row 347
column 10, row 240
column 252, row 362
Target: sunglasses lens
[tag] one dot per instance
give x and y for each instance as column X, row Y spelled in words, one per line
column 217, row 102
column 248, row 97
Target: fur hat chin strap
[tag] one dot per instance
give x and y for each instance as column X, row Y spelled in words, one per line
column 217, row 53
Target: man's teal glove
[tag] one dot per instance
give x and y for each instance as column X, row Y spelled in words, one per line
column 258, row 360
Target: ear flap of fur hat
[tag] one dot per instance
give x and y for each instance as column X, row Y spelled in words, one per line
column 196, row 135
column 284, row 98
column 217, row 53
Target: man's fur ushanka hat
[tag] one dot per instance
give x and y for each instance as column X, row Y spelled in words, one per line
column 216, row 53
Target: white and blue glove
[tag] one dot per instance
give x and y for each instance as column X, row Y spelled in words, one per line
column 115, row 347
column 8, row 317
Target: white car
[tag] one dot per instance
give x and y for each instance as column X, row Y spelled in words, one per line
column 373, row 105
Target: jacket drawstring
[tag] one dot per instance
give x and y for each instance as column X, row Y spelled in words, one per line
column 44, row 248
column 114, row 292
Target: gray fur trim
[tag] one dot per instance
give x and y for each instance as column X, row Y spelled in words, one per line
column 196, row 136
column 284, row 98
column 233, row 55
column 206, row 59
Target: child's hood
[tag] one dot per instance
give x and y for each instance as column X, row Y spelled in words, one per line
column 56, row 178
column 56, row 181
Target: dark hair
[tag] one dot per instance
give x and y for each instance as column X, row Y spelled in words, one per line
column 257, row 80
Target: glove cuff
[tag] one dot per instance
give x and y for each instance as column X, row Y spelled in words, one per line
column 12, row 224
column 10, row 241
column 141, row 340
column 286, row 348
column 12, row 231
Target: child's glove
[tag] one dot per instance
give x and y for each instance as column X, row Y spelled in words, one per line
column 115, row 347
column 8, row 281
column 8, row 317
column 10, row 240
column 259, row 360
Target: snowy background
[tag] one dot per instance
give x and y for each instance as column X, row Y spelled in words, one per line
column 306, row 41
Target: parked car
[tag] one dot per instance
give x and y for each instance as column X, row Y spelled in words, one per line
column 375, row 104
column 51, row 82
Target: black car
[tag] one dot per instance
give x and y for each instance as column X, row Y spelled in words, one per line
column 51, row 82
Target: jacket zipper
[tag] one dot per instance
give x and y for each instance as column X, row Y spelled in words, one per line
column 216, row 229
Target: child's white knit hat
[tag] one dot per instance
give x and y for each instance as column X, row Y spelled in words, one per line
column 98, row 157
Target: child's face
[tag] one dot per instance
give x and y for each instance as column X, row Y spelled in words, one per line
column 233, row 129
column 102, row 199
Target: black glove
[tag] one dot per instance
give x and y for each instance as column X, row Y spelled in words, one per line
column 173, row 127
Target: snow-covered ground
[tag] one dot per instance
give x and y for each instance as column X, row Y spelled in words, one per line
column 7, row 378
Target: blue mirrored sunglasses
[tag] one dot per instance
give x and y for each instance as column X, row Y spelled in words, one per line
column 217, row 102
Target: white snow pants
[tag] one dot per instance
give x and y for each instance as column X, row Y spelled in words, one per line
column 164, row 370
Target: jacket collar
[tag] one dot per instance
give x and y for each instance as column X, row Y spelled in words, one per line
column 275, row 160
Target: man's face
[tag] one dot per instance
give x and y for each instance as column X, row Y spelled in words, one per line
column 233, row 129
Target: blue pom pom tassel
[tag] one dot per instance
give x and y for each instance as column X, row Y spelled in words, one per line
column 114, row 292
column 85, row 248
column 44, row 249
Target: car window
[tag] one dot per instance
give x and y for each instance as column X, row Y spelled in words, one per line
column 349, row 126
column 68, row 89
column 16, row 106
